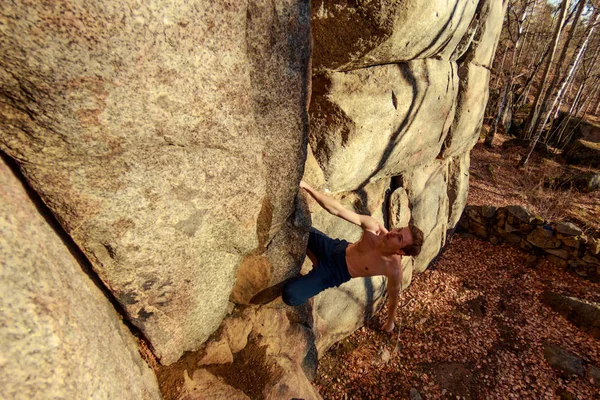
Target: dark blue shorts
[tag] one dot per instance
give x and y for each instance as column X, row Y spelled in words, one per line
column 331, row 269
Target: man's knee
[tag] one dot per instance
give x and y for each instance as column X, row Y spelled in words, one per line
column 291, row 297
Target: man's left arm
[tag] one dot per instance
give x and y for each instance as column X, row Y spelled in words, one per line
column 393, row 287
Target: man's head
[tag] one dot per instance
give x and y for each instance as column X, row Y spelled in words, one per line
column 406, row 241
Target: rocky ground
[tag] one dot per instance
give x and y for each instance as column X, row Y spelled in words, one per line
column 495, row 180
column 474, row 326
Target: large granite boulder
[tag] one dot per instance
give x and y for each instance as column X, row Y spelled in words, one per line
column 378, row 122
column 60, row 337
column 380, row 117
column 166, row 143
column 350, row 36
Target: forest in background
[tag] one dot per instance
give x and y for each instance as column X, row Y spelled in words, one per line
column 546, row 72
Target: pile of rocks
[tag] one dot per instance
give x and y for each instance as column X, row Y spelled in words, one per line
column 562, row 243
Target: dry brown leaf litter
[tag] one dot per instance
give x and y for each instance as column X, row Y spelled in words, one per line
column 473, row 326
column 495, row 180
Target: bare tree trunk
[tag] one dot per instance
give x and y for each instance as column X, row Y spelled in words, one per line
column 489, row 137
column 525, row 31
column 568, row 90
column 561, row 128
column 535, row 110
column 577, row 97
column 522, row 99
column 588, row 101
column 575, row 62
column 538, row 122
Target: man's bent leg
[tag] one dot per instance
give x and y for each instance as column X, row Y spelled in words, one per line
column 297, row 291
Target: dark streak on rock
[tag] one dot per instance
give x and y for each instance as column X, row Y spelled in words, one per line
column 144, row 315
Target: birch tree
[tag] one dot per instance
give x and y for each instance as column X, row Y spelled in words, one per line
column 534, row 115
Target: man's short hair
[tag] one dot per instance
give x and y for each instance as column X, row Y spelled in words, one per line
column 417, row 242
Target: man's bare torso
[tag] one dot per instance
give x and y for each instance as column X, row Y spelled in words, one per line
column 364, row 259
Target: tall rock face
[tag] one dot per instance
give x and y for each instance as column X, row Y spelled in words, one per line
column 398, row 97
column 168, row 137
column 59, row 337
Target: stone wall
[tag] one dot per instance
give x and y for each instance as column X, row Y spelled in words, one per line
column 562, row 243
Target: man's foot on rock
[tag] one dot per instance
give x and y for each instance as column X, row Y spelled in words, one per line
column 268, row 295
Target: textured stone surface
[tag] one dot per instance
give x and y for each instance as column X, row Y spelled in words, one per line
column 593, row 245
column 351, row 35
column 340, row 311
column 584, row 315
column 473, row 93
column 276, row 361
column 204, row 385
column 458, row 187
column 163, row 139
column 426, row 187
column 399, row 209
column 281, row 259
column 563, row 361
column 543, row 238
column 60, row 337
column 518, row 214
column 560, row 253
column 489, row 24
column 568, row 228
column 378, row 122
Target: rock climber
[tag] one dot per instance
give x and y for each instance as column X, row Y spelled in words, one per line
column 335, row 261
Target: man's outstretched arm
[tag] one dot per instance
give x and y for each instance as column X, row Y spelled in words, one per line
column 336, row 208
column 393, row 287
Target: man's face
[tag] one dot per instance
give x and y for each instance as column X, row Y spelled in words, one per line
column 399, row 238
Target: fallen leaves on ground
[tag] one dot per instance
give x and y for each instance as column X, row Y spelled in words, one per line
column 495, row 180
column 473, row 326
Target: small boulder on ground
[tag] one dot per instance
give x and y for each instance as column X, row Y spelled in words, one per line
column 582, row 152
column 563, row 361
column 541, row 148
column 582, row 179
column 584, row 315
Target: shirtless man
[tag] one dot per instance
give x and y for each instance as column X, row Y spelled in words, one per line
column 377, row 252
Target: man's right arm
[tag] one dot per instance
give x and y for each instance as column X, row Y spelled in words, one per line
column 336, row 208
